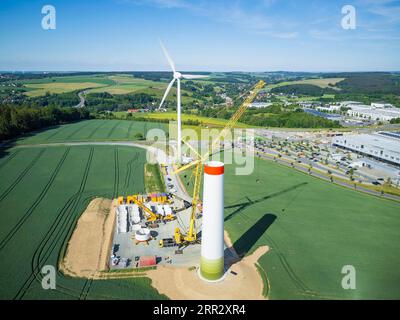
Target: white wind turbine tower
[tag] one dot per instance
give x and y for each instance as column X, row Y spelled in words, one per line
column 177, row 76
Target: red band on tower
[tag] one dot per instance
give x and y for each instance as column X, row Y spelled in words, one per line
column 214, row 170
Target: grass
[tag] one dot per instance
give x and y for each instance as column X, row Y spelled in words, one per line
column 92, row 130
column 153, row 179
column 313, row 229
column 43, row 192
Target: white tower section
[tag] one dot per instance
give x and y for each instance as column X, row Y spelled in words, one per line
column 212, row 234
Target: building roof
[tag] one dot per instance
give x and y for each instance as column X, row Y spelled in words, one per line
column 378, row 140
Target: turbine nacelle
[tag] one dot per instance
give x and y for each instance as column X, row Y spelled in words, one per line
column 177, row 75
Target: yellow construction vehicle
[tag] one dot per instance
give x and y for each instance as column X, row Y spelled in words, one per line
column 190, row 236
column 151, row 216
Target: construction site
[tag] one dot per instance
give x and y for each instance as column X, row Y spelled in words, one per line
column 148, row 232
column 142, row 231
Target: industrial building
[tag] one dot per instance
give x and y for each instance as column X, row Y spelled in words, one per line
column 375, row 112
column 383, row 146
column 260, row 105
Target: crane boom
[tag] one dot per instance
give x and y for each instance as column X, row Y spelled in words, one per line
column 151, row 215
column 191, row 234
column 236, row 116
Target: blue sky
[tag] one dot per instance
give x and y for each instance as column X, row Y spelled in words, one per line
column 225, row 35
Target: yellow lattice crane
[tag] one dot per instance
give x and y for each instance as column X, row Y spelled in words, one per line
column 191, row 236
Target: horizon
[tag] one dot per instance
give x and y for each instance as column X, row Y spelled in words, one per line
column 194, row 71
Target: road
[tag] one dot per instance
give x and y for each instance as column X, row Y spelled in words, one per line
column 81, row 96
column 350, row 185
column 159, row 156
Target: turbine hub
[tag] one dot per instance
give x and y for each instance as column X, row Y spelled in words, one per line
column 177, row 75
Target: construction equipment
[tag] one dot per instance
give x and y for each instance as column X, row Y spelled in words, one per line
column 190, row 236
column 151, row 216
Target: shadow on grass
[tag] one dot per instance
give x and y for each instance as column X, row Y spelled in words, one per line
column 250, row 237
column 5, row 151
column 243, row 205
column 244, row 244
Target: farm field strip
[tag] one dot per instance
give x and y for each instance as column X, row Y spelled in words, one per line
column 91, row 130
column 37, row 259
column 322, row 83
column 32, row 208
column 21, row 175
column 99, row 170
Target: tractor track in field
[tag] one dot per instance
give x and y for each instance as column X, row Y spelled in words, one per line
column 95, row 129
column 112, row 130
column 77, row 130
column 130, row 129
column 10, row 157
column 21, row 176
column 129, row 172
column 55, row 133
column 35, row 265
column 43, row 252
column 38, row 200
column 116, row 173
column 300, row 285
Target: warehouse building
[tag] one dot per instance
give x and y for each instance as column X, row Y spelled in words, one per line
column 383, row 146
column 374, row 112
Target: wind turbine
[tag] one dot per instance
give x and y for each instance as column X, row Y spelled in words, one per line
column 177, row 76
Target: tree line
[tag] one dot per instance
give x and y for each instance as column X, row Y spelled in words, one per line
column 15, row 121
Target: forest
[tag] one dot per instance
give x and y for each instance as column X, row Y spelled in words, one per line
column 15, row 121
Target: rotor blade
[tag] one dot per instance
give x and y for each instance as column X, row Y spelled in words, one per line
column 171, row 63
column 186, row 166
column 194, row 76
column 166, row 92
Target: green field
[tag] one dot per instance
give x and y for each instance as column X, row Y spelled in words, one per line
column 92, row 130
column 43, row 191
column 313, row 229
column 154, row 180
column 322, row 83
column 54, row 85
column 113, row 84
column 211, row 122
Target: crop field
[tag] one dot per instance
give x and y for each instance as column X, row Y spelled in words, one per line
column 322, row 83
column 124, row 84
column 40, row 89
column 313, row 229
column 43, row 191
column 92, row 130
column 113, row 84
column 212, row 122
